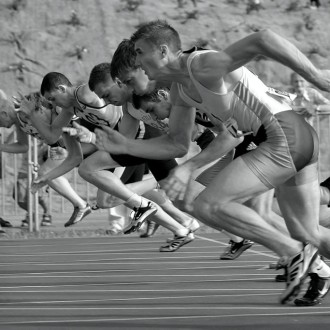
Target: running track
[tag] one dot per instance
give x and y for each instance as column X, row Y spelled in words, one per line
column 123, row 282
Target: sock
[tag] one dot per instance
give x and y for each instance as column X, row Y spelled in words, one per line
column 320, row 268
column 136, row 201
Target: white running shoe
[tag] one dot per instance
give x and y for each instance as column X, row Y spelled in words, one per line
column 297, row 269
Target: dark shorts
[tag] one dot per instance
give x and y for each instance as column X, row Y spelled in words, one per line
column 160, row 169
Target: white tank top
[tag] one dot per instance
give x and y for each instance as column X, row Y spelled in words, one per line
column 147, row 118
column 248, row 105
column 108, row 115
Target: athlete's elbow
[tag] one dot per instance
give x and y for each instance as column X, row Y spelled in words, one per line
column 76, row 160
column 181, row 150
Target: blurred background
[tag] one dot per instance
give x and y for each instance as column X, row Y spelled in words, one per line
column 72, row 36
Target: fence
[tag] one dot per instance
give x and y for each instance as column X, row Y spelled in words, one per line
column 57, row 205
column 9, row 169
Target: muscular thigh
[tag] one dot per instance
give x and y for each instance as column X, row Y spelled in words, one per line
column 99, row 160
column 236, row 182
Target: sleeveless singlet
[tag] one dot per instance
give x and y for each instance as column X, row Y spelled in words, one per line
column 145, row 117
column 108, row 115
column 247, row 106
column 27, row 127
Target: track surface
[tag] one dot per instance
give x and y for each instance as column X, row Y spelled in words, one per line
column 123, row 282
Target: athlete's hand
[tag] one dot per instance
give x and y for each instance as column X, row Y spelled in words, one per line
column 177, row 183
column 109, row 140
column 82, row 133
column 57, row 153
column 27, row 105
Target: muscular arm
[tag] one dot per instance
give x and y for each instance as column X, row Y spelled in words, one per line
column 271, row 45
column 73, row 158
column 221, row 145
column 128, row 125
column 52, row 132
column 215, row 65
column 18, row 147
column 175, row 144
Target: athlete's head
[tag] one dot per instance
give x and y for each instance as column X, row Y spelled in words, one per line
column 123, row 67
column 154, row 42
column 7, row 111
column 101, row 83
column 298, row 83
column 54, row 88
column 156, row 103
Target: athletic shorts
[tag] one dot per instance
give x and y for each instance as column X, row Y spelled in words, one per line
column 290, row 147
column 160, row 169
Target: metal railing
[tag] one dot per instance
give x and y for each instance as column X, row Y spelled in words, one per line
column 9, row 207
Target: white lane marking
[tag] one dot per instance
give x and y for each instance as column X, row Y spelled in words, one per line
column 134, row 298
column 250, row 250
column 136, row 319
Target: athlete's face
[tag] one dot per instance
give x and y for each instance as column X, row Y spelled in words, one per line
column 6, row 114
column 149, row 57
column 110, row 92
column 5, row 120
column 59, row 97
column 136, row 80
column 298, row 83
column 160, row 110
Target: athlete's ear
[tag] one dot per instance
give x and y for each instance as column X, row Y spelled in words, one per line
column 119, row 82
column 62, row 88
column 164, row 50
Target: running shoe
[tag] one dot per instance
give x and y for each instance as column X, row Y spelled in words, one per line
column 139, row 215
column 317, row 289
column 297, row 268
column 281, row 265
column 46, row 220
column 193, row 226
column 234, row 249
column 25, row 223
column 151, row 229
column 78, row 214
column 176, row 243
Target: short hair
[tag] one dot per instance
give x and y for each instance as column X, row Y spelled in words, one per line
column 158, row 32
column 52, row 80
column 123, row 60
column 99, row 74
column 155, row 96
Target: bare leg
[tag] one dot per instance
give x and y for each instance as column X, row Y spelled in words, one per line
column 61, row 184
column 219, row 205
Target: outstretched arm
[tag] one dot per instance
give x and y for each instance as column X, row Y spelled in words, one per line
column 272, row 45
column 73, row 159
column 178, row 181
column 21, row 146
column 51, row 132
column 167, row 146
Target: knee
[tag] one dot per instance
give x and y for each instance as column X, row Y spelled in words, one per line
column 208, row 208
column 83, row 170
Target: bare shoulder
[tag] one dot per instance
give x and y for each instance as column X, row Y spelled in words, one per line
column 175, row 98
column 87, row 96
column 210, row 64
